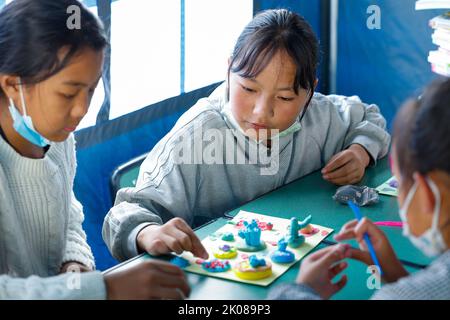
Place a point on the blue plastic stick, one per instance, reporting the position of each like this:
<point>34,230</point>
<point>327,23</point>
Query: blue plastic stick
<point>358,216</point>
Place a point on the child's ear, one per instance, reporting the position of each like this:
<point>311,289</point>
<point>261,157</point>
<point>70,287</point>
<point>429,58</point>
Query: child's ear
<point>425,195</point>
<point>316,83</point>
<point>9,85</point>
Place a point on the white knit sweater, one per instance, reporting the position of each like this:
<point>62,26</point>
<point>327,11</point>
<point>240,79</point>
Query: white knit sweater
<point>41,227</point>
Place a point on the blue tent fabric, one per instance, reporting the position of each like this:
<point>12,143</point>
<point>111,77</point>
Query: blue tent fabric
<point>309,9</point>
<point>384,66</point>
<point>102,148</point>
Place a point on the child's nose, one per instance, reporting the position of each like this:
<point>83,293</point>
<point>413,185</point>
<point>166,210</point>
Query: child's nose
<point>81,108</point>
<point>263,108</point>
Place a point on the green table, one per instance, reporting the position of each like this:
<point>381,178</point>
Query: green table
<point>309,195</point>
<point>313,195</point>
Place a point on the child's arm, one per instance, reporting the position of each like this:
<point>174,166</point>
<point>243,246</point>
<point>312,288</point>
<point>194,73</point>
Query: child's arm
<point>348,166</point>
<point>315,279</point>
<point>89,285</point>
<point>392,268</point>
<point>173,236</point>
<point>163,191</point>
<point>150,279</point>
<point>364,125</point>
<point>431,283</point>
<point>317,271</point>
<point>355,136</point>
<point>77,248</point>
<point>428,284</point>
<point>78,254</point>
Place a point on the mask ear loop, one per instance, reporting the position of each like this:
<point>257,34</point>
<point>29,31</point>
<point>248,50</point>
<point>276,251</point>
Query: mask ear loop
<point>12,104</point>
<point>437,210</point>
<point>410,196</point>
<point>306,105</point>
<point>22,99</point>
<point>437,205</point>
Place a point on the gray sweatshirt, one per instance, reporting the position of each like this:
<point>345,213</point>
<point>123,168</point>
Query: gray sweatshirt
<point>204,166</point>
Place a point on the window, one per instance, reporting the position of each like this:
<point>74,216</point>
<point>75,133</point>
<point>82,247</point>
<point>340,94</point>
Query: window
<point>99,95</point>
<point>160,49</point>
<point>145,53</point>
<point>212,28</point>
<point>146,56</point>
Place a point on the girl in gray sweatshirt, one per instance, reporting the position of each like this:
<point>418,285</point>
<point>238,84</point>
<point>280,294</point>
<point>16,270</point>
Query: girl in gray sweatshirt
<point>261,129</point>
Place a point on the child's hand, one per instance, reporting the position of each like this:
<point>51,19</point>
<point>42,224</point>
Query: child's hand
<point>73,266</point>
<point>320,268</point>
<point>147,280</point>
<point>348,166</point>
<point>389,263</point>
<point>173,236</point>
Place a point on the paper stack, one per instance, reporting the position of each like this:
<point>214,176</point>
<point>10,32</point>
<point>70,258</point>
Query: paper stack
<point>440,58</point>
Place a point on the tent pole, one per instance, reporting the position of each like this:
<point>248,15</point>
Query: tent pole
<point>104,12</point>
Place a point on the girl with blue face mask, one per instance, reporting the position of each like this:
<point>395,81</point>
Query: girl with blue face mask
<point>421,164</point>
<point>48,74</point>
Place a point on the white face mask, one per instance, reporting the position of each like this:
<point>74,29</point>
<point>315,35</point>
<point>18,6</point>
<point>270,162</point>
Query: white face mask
<point>431,242</point>
<point>226,111</point>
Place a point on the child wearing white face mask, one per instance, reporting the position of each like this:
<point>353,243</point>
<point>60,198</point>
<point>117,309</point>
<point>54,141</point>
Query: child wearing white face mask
<point>421,163</point>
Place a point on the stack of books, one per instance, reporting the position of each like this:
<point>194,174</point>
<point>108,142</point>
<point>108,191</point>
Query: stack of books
<point>440,58</point>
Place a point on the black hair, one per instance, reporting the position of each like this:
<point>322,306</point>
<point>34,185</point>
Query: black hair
<point>422,132</point>
<point>33,31</point>
<point>270,32</point>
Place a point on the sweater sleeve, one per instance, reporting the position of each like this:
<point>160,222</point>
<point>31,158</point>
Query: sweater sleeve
<point>77,248</point>
<point>293,291</point>
<point>431,283</point>
<point>165,189</point>
<point>76,286</point>
<point>353,122</point>
<point>427,284</point>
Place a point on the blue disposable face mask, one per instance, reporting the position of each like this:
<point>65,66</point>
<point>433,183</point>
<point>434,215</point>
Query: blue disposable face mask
<point>431,242</point>
<point>23,123</point>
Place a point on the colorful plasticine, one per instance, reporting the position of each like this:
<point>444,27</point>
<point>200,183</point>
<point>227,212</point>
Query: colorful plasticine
<point>253,269</point>
<point>225,251</point>
<point>282,255</point>
<point>215,265</point>
<point>294,239</point>
<point>252,236</point>
<point>180,262</point>
<point>228,236</point>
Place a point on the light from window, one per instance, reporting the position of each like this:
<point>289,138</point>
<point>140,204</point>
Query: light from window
<point>212,28</point>
<point>145,59</point>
